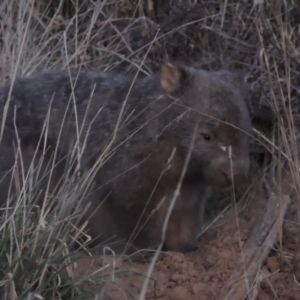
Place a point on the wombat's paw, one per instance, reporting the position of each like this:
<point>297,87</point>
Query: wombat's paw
<point>184,247</point>
<point>188,247</point>
<point>143,256</point>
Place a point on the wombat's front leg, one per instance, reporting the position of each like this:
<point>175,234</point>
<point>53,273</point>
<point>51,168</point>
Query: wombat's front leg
<point>187,218</point>
<point>179,235</point>
<point>183,227</point>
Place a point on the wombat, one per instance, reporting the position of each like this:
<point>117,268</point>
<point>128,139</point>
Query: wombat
<point>139,132</point>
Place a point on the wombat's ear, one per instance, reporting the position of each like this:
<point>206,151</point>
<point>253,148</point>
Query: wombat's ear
<point>172,77</point>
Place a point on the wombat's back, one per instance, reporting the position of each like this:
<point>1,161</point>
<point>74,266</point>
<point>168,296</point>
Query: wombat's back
<point>57,92</point>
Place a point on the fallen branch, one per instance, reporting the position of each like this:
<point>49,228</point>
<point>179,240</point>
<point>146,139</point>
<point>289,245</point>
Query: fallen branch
<point>256,249</point>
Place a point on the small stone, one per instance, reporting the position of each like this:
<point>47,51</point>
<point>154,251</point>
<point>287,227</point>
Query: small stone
<point>176,277</point>
<point>179,293</point>
<point>273,264</point>
<point>197,287</point>
<point>178,258</point>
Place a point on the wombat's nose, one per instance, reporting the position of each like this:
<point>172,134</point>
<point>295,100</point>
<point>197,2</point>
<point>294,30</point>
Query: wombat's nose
<point>239,170</point>
<point>236,177</point>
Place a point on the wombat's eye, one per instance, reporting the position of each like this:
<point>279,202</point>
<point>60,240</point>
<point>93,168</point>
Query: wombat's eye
<point>206,136</point>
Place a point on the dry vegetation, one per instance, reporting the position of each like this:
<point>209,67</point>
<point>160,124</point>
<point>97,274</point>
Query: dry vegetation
<point>259,36</point>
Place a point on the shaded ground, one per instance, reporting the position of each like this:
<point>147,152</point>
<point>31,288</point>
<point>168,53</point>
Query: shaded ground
<point>204,273</point>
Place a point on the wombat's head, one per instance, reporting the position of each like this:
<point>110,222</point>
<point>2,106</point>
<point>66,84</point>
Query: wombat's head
<point>212,102</point>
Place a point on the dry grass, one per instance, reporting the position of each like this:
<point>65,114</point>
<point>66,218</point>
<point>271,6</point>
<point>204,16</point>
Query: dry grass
<point>261,37</point>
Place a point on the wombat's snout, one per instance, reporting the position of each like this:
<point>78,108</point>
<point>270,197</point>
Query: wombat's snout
<point>237,171</point>
<point>223,172</point>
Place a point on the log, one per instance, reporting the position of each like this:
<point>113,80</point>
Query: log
<point>256,249</point>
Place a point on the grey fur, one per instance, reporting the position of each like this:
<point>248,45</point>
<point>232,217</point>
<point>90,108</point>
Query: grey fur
<point>158,123</point>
